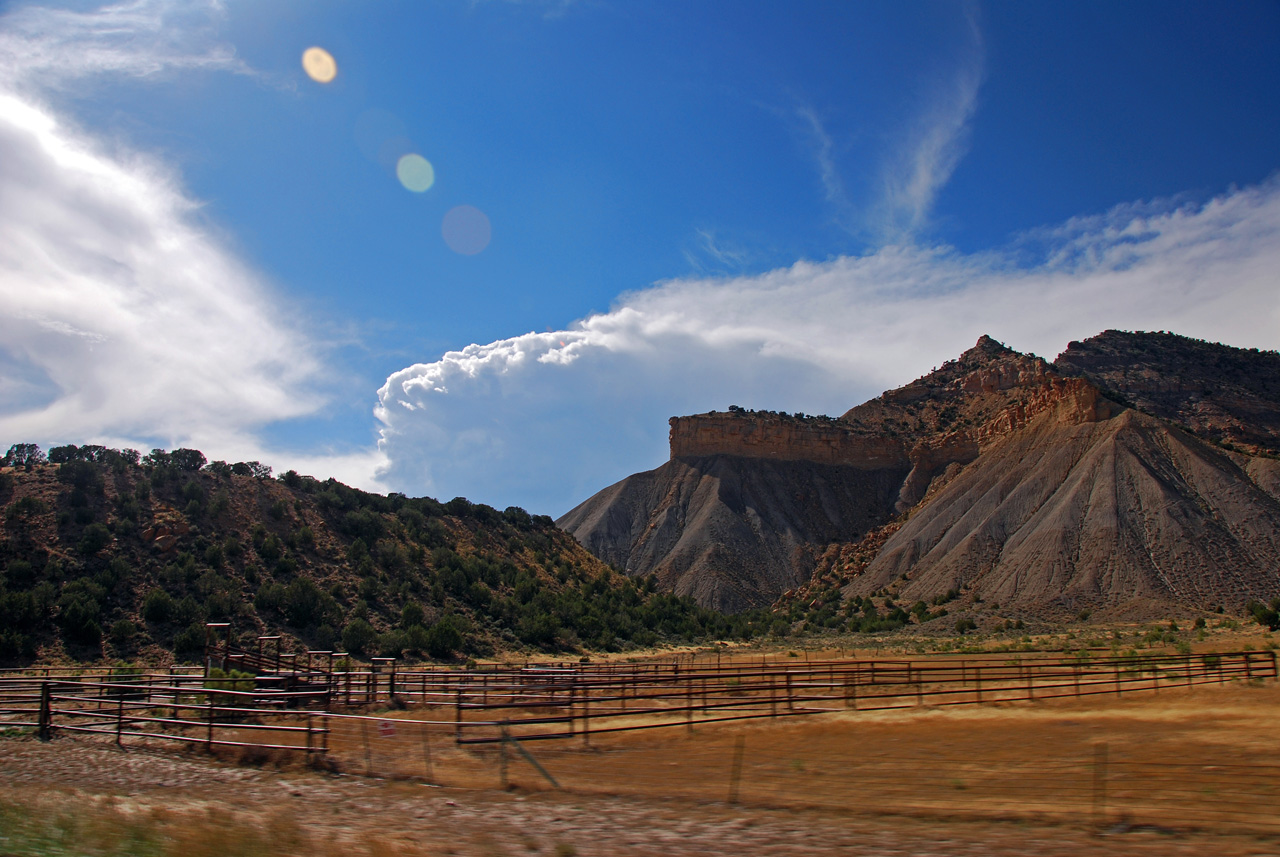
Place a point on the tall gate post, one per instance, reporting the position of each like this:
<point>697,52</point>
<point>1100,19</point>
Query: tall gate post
<point>46,712</point>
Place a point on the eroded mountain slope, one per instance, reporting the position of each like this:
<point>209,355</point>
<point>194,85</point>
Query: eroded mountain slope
<point>1103,479</point>
<point>1126,514</point>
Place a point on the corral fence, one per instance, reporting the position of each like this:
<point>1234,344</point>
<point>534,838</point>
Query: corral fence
<point>556,701</point>
<point>475,728</point>
<point>184,712</point>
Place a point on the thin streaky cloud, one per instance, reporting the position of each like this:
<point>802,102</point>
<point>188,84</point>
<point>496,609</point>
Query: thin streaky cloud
<point>824,160</point>
<point>47,49</point>
<point>930,152</point>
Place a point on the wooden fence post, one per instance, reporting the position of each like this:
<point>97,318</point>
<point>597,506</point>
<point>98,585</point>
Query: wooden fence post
<point>502,759</point>
<point>426,753</point>
<point>368,755</point>
<point>46,712</point>
<point>457,718</point>
<point>688,704</point>
<point>1099,783</point>
<point>735,772</point>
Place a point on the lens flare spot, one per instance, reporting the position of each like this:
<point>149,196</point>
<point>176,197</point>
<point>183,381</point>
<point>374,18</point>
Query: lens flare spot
<point>382,136</point>
<point>466,230</point>
<point>415,172</point>
<point>319,65</point>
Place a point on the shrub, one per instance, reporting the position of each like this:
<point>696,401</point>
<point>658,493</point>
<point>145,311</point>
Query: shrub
<point>15,644</point>
<point>189,460</point>
<point>19,573</point>
<point>24,508</point>
<point>392,644</point>
<point>26,455</point>
<point>412,614</point>
<point>357,636</point>
<point>443,638</point>
<point>122,633</point>
<point>1264,615</point>
<point>305,604</point>
<point>270,597</point>
<point>95,538</point>
<point>79,620</point>
<point>363,524</point>
<point>232,679</point>
<point>188,611</point>
<point>81,474</point>
<point>965,624</point>
<point>459,507</point>
<point>158,606</point>
<point>269,548</point>
<point>188,644</point>
<point>539,629</point>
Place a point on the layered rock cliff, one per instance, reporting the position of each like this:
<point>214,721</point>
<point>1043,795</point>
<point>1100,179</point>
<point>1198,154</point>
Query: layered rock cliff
<point>1010,478</point>
<point>781,437</point>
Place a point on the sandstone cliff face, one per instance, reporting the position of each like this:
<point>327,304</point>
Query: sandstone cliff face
<point>1016,480</point>
<point>780,437</point>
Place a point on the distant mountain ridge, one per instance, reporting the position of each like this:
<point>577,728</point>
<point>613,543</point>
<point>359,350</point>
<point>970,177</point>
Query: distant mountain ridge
<point>996,468</point>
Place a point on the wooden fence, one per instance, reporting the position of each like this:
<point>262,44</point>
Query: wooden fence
<point>473,727</point>
<point>184,713</point>
<point>559,701</point>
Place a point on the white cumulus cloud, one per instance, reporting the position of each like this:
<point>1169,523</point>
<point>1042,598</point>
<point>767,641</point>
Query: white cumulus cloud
<point>546,419</point>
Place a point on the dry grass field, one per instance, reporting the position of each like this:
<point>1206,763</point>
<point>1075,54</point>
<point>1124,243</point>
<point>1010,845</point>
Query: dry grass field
<point>1187,771</point>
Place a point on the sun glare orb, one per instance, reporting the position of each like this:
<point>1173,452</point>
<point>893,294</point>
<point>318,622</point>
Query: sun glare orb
<point>415,172</point>
<point>466,230</point>
<point>319,65</point>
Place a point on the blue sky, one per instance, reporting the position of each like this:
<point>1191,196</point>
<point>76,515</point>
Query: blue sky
<point>790,206</point>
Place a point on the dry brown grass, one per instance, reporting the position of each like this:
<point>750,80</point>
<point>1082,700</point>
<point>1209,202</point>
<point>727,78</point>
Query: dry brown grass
<point>962,780</point>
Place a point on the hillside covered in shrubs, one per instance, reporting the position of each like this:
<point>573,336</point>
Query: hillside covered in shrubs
<point>109,554</point>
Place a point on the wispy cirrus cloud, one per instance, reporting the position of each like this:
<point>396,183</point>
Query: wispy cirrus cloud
<point>932,147</point>
<point>124,317</point>
<point>546,419</point>
<point>47,48</point>
<point>824,157</point>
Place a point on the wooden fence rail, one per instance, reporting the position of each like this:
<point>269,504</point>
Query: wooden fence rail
<point>547,703</point>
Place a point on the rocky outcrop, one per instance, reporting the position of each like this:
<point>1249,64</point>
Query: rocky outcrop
<point>779,437</point>
<point>1016,480</point>
<point>1223,394</point>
